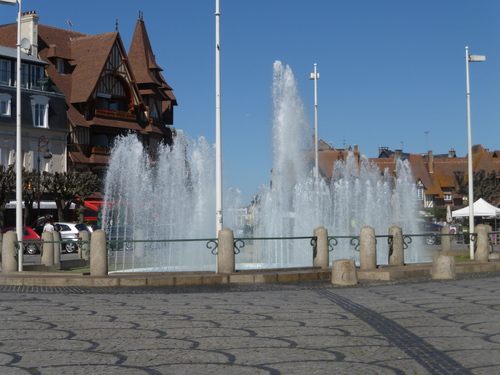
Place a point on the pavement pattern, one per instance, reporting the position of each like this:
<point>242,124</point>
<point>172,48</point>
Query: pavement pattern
<point>411,327</point>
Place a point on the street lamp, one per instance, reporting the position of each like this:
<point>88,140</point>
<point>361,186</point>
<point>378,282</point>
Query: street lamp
<point>314,76</point>
<point>218,146</point>
<point>19,177</point>
<point>470,58</point>
<point>42,142</point>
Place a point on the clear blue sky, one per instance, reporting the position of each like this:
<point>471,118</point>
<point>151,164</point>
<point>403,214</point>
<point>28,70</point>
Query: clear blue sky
<point>391,70</point>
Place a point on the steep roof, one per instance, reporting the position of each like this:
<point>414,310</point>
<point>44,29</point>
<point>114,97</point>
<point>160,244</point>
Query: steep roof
<point>146,71</point>
<point>90,54</point>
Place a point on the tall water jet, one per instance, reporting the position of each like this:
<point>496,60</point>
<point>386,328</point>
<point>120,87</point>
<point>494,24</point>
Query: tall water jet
<point>296,203</point>
<point>168,196</point>
<point>171,196</point>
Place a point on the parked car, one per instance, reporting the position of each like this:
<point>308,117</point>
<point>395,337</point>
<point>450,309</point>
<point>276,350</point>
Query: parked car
<point>28,234</point>
<point>432,230</point>
<point>69,235</point>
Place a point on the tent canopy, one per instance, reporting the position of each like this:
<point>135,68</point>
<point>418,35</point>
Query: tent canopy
<point>481,208</point>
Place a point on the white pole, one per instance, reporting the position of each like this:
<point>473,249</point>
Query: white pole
<point>472,58</point>
<point>469,158</point>
<point>218,147</point>
<point>316,156</point>
<point>19,170</point>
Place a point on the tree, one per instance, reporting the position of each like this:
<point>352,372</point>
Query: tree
<point>69,187</point>
<point>7,185</point>
<point>486,185</point>
<point>28,194</point>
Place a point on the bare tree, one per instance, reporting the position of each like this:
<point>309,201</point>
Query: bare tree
<point>7,185</point>
<point>69,187</point>
<point>486,185</point>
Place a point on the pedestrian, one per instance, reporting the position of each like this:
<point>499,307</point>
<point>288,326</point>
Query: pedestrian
<point>49,226</point>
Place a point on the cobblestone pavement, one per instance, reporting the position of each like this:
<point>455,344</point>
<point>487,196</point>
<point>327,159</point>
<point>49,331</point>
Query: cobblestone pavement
<point>425,327</point>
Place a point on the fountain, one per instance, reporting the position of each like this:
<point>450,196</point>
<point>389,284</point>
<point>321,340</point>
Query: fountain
<point>172,197</point>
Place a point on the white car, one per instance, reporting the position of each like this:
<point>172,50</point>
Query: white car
<point>69,235</point>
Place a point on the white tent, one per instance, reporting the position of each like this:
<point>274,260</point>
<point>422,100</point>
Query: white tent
<point>481,208</point>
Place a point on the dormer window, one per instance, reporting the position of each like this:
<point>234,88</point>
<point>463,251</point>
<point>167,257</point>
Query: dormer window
<point>60,66</point>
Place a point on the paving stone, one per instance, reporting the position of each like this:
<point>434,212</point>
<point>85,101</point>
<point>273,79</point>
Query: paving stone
<point>396,327</point>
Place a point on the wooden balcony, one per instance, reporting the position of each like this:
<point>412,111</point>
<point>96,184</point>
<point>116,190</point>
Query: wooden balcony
<point>115,114</point>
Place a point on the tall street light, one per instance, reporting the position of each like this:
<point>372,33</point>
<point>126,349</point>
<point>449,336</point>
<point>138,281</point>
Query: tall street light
<point>470,58</point>
<point>314,76</point>
<point>19,177</point>
<point>218,146</point>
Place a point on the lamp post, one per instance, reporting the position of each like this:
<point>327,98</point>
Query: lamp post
<point>314,76</point>
<point>470,58</point>
<point>19,177</point>
<point>42,142</point>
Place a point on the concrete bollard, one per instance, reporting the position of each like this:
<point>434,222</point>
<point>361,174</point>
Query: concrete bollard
<point>84,250</point>
<point>225,252</point>
<point>344,272</point>
<point>445,239</point>
<point>56,236</point>
<point>443,267</point>
<point>321,258</point>
<point>47,249</point>
<point>396,249</point>
<point>489,229</point>
<point>367,249</point>
<point>98,254</point>
<point>9,262</point>
<point>483,245</point>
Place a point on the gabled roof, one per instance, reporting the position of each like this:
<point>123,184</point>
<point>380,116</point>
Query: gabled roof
<point>90,54</point>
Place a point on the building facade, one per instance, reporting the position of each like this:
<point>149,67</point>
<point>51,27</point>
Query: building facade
<point>43,114</point>
<point>438,178</point>
<point>108,92</point>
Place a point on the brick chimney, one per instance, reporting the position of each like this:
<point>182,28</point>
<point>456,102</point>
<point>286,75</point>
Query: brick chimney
<point>29,30</point>
<point>431,161</point>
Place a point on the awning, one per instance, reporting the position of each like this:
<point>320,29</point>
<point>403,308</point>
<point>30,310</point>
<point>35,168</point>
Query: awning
<point>44,205</point>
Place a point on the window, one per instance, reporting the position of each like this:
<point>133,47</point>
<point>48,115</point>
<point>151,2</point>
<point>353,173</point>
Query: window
<point>420,194</point>
<point>5,104</point>
<point>154,111</point>
<point>24,75</point>
<point>60,66</point>
<point>5,72</point>
<point>36,76</point>
<point>40,109</point>
<point>447,197</point>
